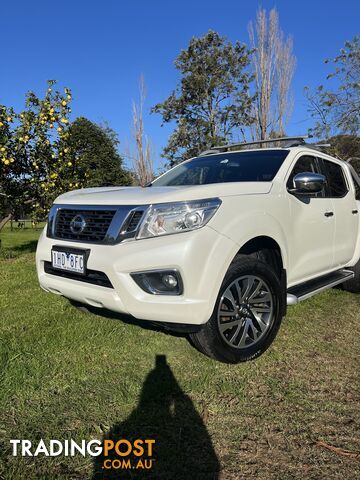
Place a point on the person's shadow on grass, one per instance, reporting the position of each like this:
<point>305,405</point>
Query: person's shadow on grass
<point>182,450</point>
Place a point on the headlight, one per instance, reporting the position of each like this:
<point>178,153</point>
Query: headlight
<point>169,218</point>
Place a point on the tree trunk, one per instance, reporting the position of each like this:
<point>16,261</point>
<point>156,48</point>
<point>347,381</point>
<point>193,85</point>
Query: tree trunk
<point>4,221</point>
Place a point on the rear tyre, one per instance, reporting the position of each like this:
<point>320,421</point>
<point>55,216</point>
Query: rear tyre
<point>247,313</point>
<point>353,285</point>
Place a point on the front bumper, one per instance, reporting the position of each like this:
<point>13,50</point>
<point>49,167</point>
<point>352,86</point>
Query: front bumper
<point>202,258</point>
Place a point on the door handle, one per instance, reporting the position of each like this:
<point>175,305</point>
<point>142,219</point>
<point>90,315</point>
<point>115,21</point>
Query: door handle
<point>329,214</point>
<point>355,212</point>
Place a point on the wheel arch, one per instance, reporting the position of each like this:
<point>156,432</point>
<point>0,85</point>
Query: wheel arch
<point>266,249</point>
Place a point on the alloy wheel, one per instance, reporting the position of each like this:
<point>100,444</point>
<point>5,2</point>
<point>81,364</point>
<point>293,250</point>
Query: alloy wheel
<point>245,312</point>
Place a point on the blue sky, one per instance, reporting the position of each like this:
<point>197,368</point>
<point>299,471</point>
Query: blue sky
<point>99,49</point>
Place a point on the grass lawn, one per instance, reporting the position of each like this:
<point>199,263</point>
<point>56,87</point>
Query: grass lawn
<point>65,374</point>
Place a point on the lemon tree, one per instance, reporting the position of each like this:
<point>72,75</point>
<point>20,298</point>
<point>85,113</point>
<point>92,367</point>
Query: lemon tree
<point>35,164</point>
<point>41,155</point>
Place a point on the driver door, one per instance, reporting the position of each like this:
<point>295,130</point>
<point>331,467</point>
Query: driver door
<point>312,220</point>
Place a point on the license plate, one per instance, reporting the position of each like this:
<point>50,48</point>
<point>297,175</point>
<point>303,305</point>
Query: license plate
<point>70,262</point>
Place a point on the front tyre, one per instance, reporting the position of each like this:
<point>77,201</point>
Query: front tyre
<point>247,313</point>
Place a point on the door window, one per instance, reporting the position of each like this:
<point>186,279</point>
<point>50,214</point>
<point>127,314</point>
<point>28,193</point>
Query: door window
<point>357,186</point>
<point>336,183</point>
<point>306,163</point>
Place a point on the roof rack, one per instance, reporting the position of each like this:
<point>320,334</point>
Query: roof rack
<point>318,146</point>
<point>289,142</point>
<point>283,142</point>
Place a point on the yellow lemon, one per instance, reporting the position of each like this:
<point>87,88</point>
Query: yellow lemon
<point>63,103</point>
<point>59,129</point>
<point>12,160</point>
<point>2,149</point>
<point>66,150</point>
<point>1,124</point>
<point>9,119</point>
<point>6,162</point>
<point>69,163</point>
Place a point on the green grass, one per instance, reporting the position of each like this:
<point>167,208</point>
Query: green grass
<point>65,374</point>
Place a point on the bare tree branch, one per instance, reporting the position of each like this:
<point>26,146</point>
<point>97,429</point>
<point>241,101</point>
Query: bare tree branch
<point>273,66</point>
<point>142,158</point>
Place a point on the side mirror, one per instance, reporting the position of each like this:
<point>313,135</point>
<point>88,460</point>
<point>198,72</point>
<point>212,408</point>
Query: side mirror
<point>308,183</point>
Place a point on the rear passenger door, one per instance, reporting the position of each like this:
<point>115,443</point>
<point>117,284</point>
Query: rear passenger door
<point>345,208</point>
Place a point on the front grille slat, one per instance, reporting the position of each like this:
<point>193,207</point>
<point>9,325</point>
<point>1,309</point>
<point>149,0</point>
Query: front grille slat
<point>96,228</point>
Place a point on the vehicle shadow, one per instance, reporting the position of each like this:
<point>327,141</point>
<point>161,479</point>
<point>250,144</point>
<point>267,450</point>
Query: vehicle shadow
<point>28,247</point>
<point>18,250</point>
<point>182,450</point>
<point>130,320</point>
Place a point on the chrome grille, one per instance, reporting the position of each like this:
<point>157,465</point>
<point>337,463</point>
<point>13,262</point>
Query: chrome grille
<point>97,223</point>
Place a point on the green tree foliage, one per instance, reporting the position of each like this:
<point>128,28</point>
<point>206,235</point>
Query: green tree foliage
<point>43,154</point>
<point>35,165</point>
<point>346,147</point>
<point>94,149</point>
<point>338,110</point>
<point>9,171</point>
<point>212,100</point>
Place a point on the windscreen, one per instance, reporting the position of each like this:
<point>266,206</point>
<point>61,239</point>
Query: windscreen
<point>250,166</point>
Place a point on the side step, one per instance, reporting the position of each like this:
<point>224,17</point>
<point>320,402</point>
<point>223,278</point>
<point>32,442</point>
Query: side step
<point>301,292</point>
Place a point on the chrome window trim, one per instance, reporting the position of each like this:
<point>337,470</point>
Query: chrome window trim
<point>116,232</point>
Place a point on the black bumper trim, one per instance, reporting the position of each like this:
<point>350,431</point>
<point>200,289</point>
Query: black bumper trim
<point>92,276</point>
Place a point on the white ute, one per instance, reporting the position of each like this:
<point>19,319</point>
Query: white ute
<point>217,247</point>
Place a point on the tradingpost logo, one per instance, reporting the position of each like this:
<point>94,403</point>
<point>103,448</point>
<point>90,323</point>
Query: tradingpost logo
<point>120,454</point>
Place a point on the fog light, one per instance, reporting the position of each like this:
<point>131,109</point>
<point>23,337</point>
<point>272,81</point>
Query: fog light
<point>159,282</point>
<point>170,281</point>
